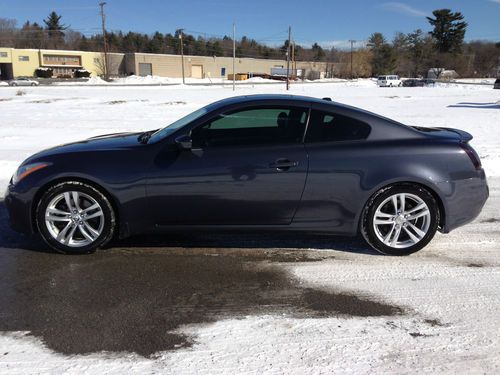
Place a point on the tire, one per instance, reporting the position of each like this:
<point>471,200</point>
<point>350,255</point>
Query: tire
<point>75,228</point>
<point>391,233</point>
<point>13,84</point>
<point>33,84</point>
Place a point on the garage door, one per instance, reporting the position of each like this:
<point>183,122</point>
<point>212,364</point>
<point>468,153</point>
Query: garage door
<point>197,71</point>
<point>145,69</point>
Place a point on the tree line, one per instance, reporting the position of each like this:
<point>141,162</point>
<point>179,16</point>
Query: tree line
<point>411,54</point>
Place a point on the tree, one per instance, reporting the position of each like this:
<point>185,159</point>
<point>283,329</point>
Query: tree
<point>449,30</point>
<point>31,35</point>
<point>377,39</point>
<point>318,52</point>
<point>420,52</point>
<point>384,60</point>
<point>55,30</point>
<point>7,32</point>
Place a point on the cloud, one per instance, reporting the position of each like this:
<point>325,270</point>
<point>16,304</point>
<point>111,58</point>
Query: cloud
<point>406,9</point>
<point>495,1</point>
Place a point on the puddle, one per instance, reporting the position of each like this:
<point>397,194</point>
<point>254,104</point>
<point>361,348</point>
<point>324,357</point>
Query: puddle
<point>134,298</point>
<point>114,301</point>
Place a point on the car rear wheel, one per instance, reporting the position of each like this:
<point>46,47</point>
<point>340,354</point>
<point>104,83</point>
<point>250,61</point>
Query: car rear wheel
<point>33,84</point>
<point>400,219</point>
<point>73,217</point>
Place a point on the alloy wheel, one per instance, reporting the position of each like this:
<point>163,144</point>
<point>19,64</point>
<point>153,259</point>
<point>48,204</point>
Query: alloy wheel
<point>74,219</point>
<point>401,220</point>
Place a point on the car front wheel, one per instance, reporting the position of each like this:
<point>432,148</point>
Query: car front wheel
<point>400,219</point>
<point>73,217</point>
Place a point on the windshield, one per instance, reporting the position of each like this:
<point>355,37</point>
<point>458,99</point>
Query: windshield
<point>169,129</point>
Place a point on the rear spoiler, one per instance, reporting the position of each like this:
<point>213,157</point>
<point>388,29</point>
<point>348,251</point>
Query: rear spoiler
<point>464,136</point>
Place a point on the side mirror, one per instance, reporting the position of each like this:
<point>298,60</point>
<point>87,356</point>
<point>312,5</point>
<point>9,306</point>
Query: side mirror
<point>184,142</point>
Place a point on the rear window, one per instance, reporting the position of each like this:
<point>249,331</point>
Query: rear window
<point>332,127</point>
<point>381,78</point>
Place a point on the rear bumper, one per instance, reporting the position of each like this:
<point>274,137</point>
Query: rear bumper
<point>464,200</point>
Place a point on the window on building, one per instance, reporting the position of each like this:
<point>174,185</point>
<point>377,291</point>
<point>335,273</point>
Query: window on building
<point>271,125</point>
<point>4,54</point>
<point>24,58</point>
<point>332,127</point>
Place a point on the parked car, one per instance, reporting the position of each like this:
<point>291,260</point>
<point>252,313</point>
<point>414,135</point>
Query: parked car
<point>429,82</point>
<point>496,85</point>
<point>389,81</point>
<point>413,82</point>
<point>260,162</point>
<point>23,81</point>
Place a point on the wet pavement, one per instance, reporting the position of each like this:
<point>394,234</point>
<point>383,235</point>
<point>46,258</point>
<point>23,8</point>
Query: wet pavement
<point>135,295</point>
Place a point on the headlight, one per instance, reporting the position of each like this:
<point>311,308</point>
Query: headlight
<point>26,170</point>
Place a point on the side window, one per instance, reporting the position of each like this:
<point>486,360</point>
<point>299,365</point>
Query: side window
<point>252,126</point>
<point>331,127</point>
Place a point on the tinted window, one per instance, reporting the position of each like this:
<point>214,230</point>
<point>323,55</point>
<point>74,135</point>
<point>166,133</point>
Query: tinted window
<point>252,127</point>
<point>329,127</point>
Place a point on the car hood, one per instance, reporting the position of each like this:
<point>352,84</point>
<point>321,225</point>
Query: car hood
<point>108,142</point>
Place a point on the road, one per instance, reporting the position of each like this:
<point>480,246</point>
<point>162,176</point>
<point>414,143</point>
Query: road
<point>436,310</point>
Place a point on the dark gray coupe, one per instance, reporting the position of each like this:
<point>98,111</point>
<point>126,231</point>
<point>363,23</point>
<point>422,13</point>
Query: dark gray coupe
<point>255,162</point>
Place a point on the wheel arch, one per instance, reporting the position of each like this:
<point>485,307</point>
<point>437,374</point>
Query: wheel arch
<point>431,189</point>
<point>44,188</point>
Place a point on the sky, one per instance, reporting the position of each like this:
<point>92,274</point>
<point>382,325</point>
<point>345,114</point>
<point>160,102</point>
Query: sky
<point>328,22</point>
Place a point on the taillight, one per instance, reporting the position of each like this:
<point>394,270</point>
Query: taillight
<point>473,156</point>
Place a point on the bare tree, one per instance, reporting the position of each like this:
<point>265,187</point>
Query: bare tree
<point>7,32</point>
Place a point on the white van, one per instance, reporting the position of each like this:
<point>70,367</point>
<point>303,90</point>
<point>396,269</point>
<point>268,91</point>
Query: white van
<point>389,81</point>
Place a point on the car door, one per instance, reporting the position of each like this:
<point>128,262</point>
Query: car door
<point>246,167</point>
<point>335,144</point>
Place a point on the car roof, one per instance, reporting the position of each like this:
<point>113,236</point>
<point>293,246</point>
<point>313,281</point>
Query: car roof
<point>277,97</point>
<point>290,99</point>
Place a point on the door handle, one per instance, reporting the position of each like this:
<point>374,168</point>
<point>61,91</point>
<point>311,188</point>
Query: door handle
<point>283,164</point>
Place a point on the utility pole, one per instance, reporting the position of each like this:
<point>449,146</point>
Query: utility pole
<point>103,19</point>
<point>234,56</point>
<point>182,56</point>
<point>288,58</point>
<point>352,42</point>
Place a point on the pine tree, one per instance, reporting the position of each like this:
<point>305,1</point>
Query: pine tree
<point>377,39</point>
<point>318,52</point>
<point>449,30</point>
<point>55,30</point>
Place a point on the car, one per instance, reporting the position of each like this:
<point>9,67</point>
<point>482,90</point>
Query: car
<point>260,163</point>
<point>23,81</point>
<point>413,82</point>
<point>389,81</point>
<point>496,85</point>
<point>429,82</point>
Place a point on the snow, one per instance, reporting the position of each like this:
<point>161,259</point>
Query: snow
<point>453,282</point>
<point>157,80</point>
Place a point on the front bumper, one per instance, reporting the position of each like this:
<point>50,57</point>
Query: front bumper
<point>18,206</point>
<point>464,200</point>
